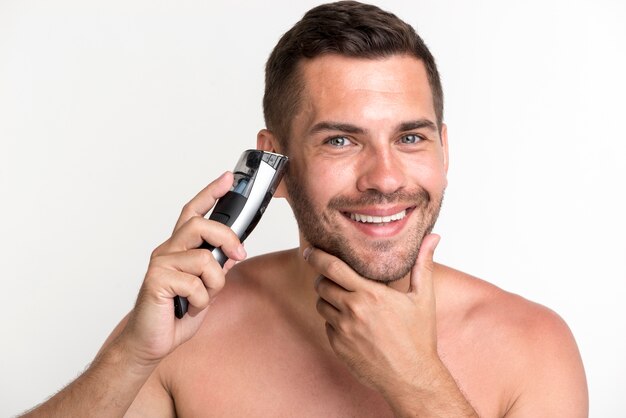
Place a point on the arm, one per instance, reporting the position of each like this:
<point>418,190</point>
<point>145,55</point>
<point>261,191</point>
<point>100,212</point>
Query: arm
<point>388,338</point>
<point>126,361</point>
<point>106,388</point>
<point>554,382</point>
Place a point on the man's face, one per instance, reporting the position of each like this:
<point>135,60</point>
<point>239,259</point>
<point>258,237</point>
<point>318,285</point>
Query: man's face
<point>367,164</point>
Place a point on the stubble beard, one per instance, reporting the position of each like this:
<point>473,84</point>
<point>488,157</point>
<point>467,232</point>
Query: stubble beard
<point>387,260</point>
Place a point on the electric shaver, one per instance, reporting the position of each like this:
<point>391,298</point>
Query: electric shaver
<point>256,176</point>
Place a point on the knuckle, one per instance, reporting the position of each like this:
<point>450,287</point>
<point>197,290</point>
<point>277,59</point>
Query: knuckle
<point>361,306</point>
<point>196,222</point>
<point>204,257</point>
<point>197,285</point>
<point>152,271</point>
<point>371,298</point>
<point>153,275</point>
<point>344,326</point>
<point>321,284</point>
<point>218,284</point>
<point>319,305</point>
<point>228,236</point>
<point>214,279</point>
<point>186,210</point>
<point>356,310</point>
<point>334,268</point>
<point>219,287</point>
<point>157,251</point>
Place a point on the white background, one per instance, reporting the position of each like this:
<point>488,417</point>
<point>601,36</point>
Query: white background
<point>113,114</point>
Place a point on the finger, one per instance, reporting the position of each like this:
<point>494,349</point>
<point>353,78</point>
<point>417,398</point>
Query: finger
<point>199,263</point>
<point>230,263</point>
<point>328,312</point>
<point>331,292</point>
<point>197,230</point>
<point>333,268</point>
<point>422,272</point>
<point>204,201</point>
<point>165,283</point>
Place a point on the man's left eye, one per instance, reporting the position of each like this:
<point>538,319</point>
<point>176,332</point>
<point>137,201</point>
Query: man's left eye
<point>411,139</point>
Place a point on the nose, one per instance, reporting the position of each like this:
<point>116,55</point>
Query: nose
<point>382,171</point>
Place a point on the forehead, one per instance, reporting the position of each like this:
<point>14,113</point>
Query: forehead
<point>347,88</point>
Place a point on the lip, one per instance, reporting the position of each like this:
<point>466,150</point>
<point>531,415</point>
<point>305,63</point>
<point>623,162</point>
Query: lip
<point>387,230</point>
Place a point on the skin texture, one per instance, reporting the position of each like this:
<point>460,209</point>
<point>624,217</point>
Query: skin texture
<point>303,333</point>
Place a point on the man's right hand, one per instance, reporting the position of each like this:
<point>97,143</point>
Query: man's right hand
<point>179,268</point>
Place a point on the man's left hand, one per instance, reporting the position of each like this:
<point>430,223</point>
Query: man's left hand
<point>387,338</point>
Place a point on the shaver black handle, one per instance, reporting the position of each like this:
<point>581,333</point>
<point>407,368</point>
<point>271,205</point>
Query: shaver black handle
<point>229,204</point>
<point>180,306</point>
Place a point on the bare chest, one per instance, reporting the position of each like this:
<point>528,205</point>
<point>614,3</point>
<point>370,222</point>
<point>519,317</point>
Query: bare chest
<point>269,367</point>
<point>263,379</point>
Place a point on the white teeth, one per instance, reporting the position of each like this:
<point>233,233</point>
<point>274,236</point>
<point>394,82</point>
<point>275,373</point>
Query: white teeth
<point>377,219</point>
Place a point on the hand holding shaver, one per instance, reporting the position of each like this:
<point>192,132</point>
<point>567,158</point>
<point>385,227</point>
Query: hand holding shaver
<point>256,176</point>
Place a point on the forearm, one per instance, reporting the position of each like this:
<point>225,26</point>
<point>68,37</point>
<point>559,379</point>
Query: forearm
<point>106,389</point>
<point>434,395</point>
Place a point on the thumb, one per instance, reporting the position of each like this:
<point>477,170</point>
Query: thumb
<point>422,272</point>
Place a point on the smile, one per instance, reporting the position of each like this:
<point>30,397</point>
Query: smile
<point>377,219</point>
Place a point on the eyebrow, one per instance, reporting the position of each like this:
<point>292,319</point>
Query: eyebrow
<point>335,126</point>
<point>353,129</point>
<point>418,124</point>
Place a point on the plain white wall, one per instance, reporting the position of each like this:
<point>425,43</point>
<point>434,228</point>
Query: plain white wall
<point>113,114</point>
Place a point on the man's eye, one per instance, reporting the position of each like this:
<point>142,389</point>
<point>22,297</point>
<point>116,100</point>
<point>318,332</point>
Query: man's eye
<point>411,139</point>
<point>339,141</point>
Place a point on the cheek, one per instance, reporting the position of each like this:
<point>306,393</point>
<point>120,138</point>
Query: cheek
<point>429,174</point>
<point>324,178</point>
<point>438,178</point>
<point>330,179</point>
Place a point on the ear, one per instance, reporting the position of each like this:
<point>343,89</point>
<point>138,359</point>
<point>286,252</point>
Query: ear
<point>267,141</point>
<point>444,145</point>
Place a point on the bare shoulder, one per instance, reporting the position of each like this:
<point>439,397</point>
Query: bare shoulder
<point>263,269</point>
<point>531,343</point>
<point>520,318</point>
<point>258,279</point>
<point>251,296</point>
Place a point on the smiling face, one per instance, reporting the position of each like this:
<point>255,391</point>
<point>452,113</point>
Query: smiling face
<point>367,162</point>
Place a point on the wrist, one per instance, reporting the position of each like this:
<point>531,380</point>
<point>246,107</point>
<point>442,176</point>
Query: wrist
<point>430,391</point>
<point>120,354</point>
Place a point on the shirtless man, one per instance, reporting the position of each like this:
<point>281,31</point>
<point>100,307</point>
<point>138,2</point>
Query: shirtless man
<point>358,321</point>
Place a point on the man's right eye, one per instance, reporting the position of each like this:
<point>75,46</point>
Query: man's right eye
<point>339,141</point>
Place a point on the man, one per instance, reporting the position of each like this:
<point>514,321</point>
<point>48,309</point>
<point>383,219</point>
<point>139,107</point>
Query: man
<point>359,320</point>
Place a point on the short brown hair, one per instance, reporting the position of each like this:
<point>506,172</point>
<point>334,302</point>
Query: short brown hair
<point>346,28</point>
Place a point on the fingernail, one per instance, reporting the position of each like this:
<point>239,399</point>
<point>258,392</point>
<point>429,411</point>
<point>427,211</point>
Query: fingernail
<point>306,252</point>
<point>241,252</point>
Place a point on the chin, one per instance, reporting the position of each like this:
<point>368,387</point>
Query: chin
<point>381,262</point>
<point>385,270</point>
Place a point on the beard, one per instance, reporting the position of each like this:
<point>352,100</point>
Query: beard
<point>382,260</point>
